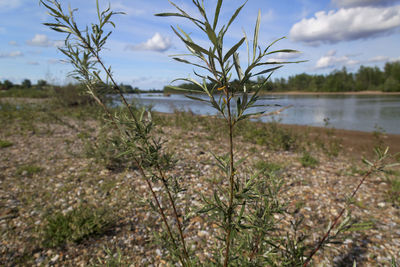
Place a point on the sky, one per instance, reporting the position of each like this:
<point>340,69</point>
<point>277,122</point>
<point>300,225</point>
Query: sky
<point>331,34</point>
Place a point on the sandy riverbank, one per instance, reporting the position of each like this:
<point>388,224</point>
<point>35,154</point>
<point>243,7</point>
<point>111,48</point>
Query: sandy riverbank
<point>331,93</point>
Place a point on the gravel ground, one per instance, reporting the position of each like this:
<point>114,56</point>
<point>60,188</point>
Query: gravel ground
<point>65,179</point>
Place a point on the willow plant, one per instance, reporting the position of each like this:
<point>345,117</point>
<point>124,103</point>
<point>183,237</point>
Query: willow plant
<point>234,102</point>
<point>243,206</point>
<point>83,49</point>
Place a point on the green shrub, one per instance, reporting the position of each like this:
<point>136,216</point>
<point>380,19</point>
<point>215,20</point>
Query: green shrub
<point>271,134</point>
<point>28,170</point>
<point>394,190</point>
<point>5,143</point>
<point>26,93</point>
<point>307,160</point>
<point>112,259</point>
<point>267,166</point>
<point>106,150</point>
<point>72,95</point>
<point>76,225</point>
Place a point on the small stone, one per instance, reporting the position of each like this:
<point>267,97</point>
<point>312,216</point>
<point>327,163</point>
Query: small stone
<point>202,233</point>
<point>55,258</point>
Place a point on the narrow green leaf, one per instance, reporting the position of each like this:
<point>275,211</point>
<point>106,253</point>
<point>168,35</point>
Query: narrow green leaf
<point>235,15</point>
<point>181,89</point>
<point>216,16</point>
<point>233,49</point>
<point>271,44</point>
<point>277,63</point>
<point>283,51</point>
<point>196,98</point>
<point>169,15</point>
<point>211,34</point>
<point>98,10</point>
<point>267,71</point>
<point>236,61</point>
<point>256,33</point>
<point>188,62</point>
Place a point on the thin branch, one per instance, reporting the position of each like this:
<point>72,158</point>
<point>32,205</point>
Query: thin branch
<point>337,218</point>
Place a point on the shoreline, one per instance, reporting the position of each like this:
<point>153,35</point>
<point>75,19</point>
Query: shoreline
<point>331,93</point>
<point>370,93</point>
<point>353,142</point>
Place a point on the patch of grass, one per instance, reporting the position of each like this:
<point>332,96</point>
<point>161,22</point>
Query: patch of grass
<point>26,93</point>
<point>271,134</point>
<point>393,193</point>
<point>188,121</point>
<point>307,160</point>
<point>112,259</point>
<point>76,225</point>
<point>331,146</point>
<point>106,150</point>
<point>267,166</point>
<point>28,170</point>
<point>5,143</point>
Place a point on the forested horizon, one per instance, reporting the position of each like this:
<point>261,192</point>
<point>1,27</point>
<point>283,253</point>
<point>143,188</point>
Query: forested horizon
<point>365,79</point>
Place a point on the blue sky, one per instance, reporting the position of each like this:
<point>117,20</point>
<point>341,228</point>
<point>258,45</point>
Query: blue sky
<point>329,33</point>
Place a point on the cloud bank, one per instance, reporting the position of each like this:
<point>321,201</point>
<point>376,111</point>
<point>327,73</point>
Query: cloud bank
<point>346,24</point>
<point>355,3</point>
<point>11,54</point>
<point>331,60</point>
<point>40,40</point>
<point>156,43</point>
<point>9,4</point>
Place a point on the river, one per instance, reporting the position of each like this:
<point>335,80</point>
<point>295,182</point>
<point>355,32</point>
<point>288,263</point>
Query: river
<point>351,112</point>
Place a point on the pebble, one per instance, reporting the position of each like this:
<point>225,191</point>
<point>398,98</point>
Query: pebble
<point>322,190</point>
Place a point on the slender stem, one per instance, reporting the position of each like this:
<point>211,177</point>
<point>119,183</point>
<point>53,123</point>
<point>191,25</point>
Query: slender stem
<point>116,88</point>
<point>336,220</point>
<point>231,181</point>
<point>171,200</point>
<point>161,210</point>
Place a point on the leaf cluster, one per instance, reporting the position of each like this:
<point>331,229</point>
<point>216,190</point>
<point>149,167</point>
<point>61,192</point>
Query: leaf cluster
<point>218,63</point>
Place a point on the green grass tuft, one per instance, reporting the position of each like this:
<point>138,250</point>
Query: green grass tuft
<point>267,166</point>
<point>28,170</point>
<point>393,193</point>
<point>307,160</point>
<point>76,225</point>
<point>5,143</point>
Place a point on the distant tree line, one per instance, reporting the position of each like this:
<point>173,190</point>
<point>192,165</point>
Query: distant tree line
<point>365,79</point>
<point>26,83</point>
<point>42,84</point>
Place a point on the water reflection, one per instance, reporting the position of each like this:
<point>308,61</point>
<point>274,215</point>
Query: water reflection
<point>361,113</point>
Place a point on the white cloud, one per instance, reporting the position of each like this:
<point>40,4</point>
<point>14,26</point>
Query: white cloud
<point>395,59</point>
<point>354,3</point>
<point>284,56</point>
<point>53,61</point>
<point>330,60</point>
<point>58,43</point>
<point>35,63</point>
<point>156,43</point>
<point>11,54</point>
<point>9,4</point>
<point>40,40</point>
<point>268,16</point>
<point>118,6</point>
<point>346,24</point>
<point>378,59</point>
<point>13,43</point>
<point>43,41</point>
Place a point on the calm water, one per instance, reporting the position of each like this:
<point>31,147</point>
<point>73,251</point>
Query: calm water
<point>363,113</point>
